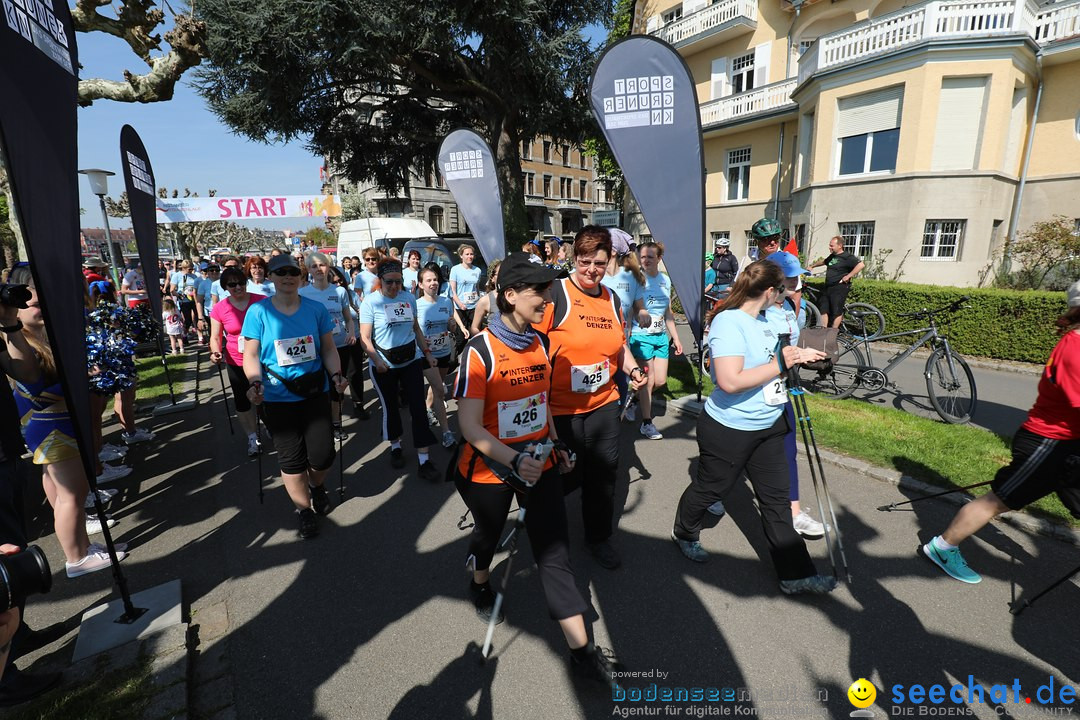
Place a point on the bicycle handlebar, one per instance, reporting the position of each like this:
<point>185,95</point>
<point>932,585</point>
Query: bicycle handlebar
<point>951,307</point>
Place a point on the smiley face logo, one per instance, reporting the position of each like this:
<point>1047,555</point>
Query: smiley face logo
<point>862,693</point>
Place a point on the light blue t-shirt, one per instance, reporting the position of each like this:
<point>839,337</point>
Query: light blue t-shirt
<point>289,345</point>
<point>391,321</point>
<point>434,319</point>
<point>364,282</point>
<point>186,286</point>
<point>710,277</point>
<point>468,284</point>
<point>204,290</point>
<point>265,288</point>
<point>336,301</point>
<point>782,320</point>
<point>622,283</point>
<point>410,277</point>
<point>734,333</point>
<point>655,294</point>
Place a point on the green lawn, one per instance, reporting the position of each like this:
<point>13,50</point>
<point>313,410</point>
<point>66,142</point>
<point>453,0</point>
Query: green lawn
<point>152,384</point>
<point>930,450</point>
<point>109,695</point>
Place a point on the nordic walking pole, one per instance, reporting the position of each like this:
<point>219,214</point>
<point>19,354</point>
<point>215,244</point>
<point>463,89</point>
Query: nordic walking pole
<point>340,466</point>
<point>225,397</point>
<point>1018,607</point>
<point>892,506</point>
<point>258,434</point>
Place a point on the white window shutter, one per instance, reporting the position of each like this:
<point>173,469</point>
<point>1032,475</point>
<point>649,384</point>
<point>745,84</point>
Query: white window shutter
<point>870,112</point>
<point>719,84</point>
<point>761,64</point>
<point>690,6</point>
<point>653,24</point>
<point>959,123</point>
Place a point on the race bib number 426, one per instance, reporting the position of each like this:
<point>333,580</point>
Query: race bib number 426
<point>519,418</point>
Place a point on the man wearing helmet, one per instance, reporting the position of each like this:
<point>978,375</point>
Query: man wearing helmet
<point>766,236</point>
<point>840,267</point>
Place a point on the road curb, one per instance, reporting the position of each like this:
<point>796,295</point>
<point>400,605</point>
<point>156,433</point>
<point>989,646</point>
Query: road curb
<point>688,405</point>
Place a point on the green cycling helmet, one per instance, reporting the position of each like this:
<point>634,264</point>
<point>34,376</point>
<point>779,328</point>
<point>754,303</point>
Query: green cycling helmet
<point>765,227</point>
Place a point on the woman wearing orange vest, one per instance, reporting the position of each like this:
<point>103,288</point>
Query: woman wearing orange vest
<point>503,392</point>
<point>584,324</point>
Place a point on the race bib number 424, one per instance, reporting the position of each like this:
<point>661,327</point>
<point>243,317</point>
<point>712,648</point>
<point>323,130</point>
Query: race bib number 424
<point>293,351</point>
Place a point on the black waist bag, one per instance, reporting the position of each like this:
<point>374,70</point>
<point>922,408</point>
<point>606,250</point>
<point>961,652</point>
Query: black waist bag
<point>399,354</point>
<point>308,385</point>
<point>823,339</point>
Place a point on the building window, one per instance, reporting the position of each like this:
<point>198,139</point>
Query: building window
<point>738,174</point>
<point>566,155</point>
<point>1076,227</point>
<point>868,131</point>
<point>581,158</point>
<point>869,152</point>
<point>673,15</point>
<point>858,238</point>
<point>941,240</point>
<point>583,189</point>
<point>742,73</point>
<point>720,235</point>
<point>435,218</point>
<point>547,186</point>
<point>530,183</point>
<point>526,149</point>
<point>547,151</point>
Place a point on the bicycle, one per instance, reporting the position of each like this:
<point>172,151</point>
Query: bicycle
<point>949,382</point>
<point>861,320</point>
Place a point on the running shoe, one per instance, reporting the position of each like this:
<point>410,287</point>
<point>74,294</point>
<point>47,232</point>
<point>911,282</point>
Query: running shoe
<point>104,496</point>
<point>429,472</point>
<point>339,434</point>
<point>631,412</point>
<point>813,585</point>
<point>320,499</point>
<point>483,598</point>
<point>93,523</point>
<point>649,430</point>
<point>140,435</point>
<point>952,562</point>
<point>109,454</point>
<point>309,527</point>
<point>253,445</point>
<point>807,526</point>
<point>605,555</point>
<point>112,472</point>
<point>118,449</point>
<point>691,549</point>
<point>599,665</point>
<point>448,439</point>
<point>718,509</point>
<point>95,560</point>
<point>397,458</point>
<point>431,419</point>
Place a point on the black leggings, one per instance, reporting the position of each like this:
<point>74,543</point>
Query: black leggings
<point>545,521</point>
<point>410,380</point>
<point>352,356</point>
<point>239,382</point>
<point>594,436</point>
<point>724,453</point>
<point>303,433</point>
<point>187,309</point>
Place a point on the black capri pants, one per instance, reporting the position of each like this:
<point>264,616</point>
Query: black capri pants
<point>239,383</point>
<point>302,432</point>
<point>409,379</point>
<point>724,454</point>
<point>594,436</point>
<point>545,521</point>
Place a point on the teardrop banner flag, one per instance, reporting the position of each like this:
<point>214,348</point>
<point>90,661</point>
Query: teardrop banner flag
<point>469,170</point>
<point>142,199</point>
<point>644,100</point>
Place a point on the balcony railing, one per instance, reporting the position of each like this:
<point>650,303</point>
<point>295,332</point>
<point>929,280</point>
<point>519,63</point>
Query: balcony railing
<point>762,99</point>
<point>534,199</point>
<point>937,20</point>
<point>569,204</point>
<point>708,21</point>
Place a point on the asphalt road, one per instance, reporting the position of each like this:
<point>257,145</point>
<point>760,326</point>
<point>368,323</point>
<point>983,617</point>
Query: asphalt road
<point>371,620</point>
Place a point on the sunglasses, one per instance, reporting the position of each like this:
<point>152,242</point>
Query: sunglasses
<point>287,272</point>
<point>388,281</point>
<point>232,285</point>
<point>371,260</point>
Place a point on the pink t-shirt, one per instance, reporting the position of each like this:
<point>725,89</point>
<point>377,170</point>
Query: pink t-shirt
<point>233,320</point>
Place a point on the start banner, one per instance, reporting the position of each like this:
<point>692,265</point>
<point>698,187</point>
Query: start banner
<point>213,209</point>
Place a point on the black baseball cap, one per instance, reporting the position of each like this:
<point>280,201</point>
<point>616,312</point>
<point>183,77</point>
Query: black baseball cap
<point>280,261</point>
<point>521,268</point>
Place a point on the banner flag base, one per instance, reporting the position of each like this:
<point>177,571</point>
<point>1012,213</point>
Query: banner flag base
<point>168,408</point>
<point>101,628</point>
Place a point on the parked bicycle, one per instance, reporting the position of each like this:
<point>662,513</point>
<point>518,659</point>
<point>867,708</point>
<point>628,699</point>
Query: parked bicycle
<point>949,381</point>
<point>861,320</point>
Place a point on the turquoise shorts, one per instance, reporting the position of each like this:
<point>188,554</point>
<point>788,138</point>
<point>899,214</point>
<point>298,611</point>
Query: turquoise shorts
<point>647,347</point>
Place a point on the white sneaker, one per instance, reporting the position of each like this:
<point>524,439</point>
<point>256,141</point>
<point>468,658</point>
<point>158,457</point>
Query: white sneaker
<point>93,524</point>
<point>113,472</point>
<point>140,435</point>
<point>807,526</point>
<point>104,495</point>
<point>649,430</point>
<point>95,560</point>
<point>108,454</point>
<point>253,446</point>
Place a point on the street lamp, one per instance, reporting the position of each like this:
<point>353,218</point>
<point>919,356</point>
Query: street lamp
<point>99,185</point>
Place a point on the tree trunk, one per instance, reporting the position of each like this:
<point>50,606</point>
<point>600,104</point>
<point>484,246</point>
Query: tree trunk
<point>12,254</point>
<point>505,137</point>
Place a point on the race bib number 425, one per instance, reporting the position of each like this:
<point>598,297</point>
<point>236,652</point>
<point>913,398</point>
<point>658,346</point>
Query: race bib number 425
<point>519,418</point>
<point>589,378</point>
<point>293,351</point>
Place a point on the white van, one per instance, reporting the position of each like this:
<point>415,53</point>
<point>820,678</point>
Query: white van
<point>356,236</point>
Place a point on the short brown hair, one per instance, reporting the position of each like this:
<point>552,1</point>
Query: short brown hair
<point>591,239</point>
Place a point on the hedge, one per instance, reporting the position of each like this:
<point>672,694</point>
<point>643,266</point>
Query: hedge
<point>1004,324</point>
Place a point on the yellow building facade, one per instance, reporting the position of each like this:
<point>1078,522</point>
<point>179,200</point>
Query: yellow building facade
<point>932,130</point>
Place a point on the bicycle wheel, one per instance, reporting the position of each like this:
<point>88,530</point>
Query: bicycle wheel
<point>840,380</point>
<point>813,315</point>
<point>951,388</point>
<point>863,320</point>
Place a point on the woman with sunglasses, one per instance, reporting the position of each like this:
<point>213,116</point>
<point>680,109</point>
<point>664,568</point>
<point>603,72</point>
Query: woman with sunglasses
<point>653,331</point>
<point>336,301</point>
<point>398,353</point>
<point>364,281</point>
<point>585,328</point>
<point>226,322</point>
<point>743,425</point>
<point>288,353</point>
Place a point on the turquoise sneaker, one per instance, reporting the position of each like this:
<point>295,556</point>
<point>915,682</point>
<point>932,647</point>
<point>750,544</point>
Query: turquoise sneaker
<point>952,562</point>
<point>691,549</point>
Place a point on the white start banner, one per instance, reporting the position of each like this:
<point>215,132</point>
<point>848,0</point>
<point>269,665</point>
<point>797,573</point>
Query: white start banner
<point>254,207</point>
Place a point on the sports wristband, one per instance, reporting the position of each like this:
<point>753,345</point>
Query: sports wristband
<point>780,361</point>
<point>516,462</point>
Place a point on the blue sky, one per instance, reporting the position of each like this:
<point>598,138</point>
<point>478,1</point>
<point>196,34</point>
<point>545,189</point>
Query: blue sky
<point>188,145</point>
